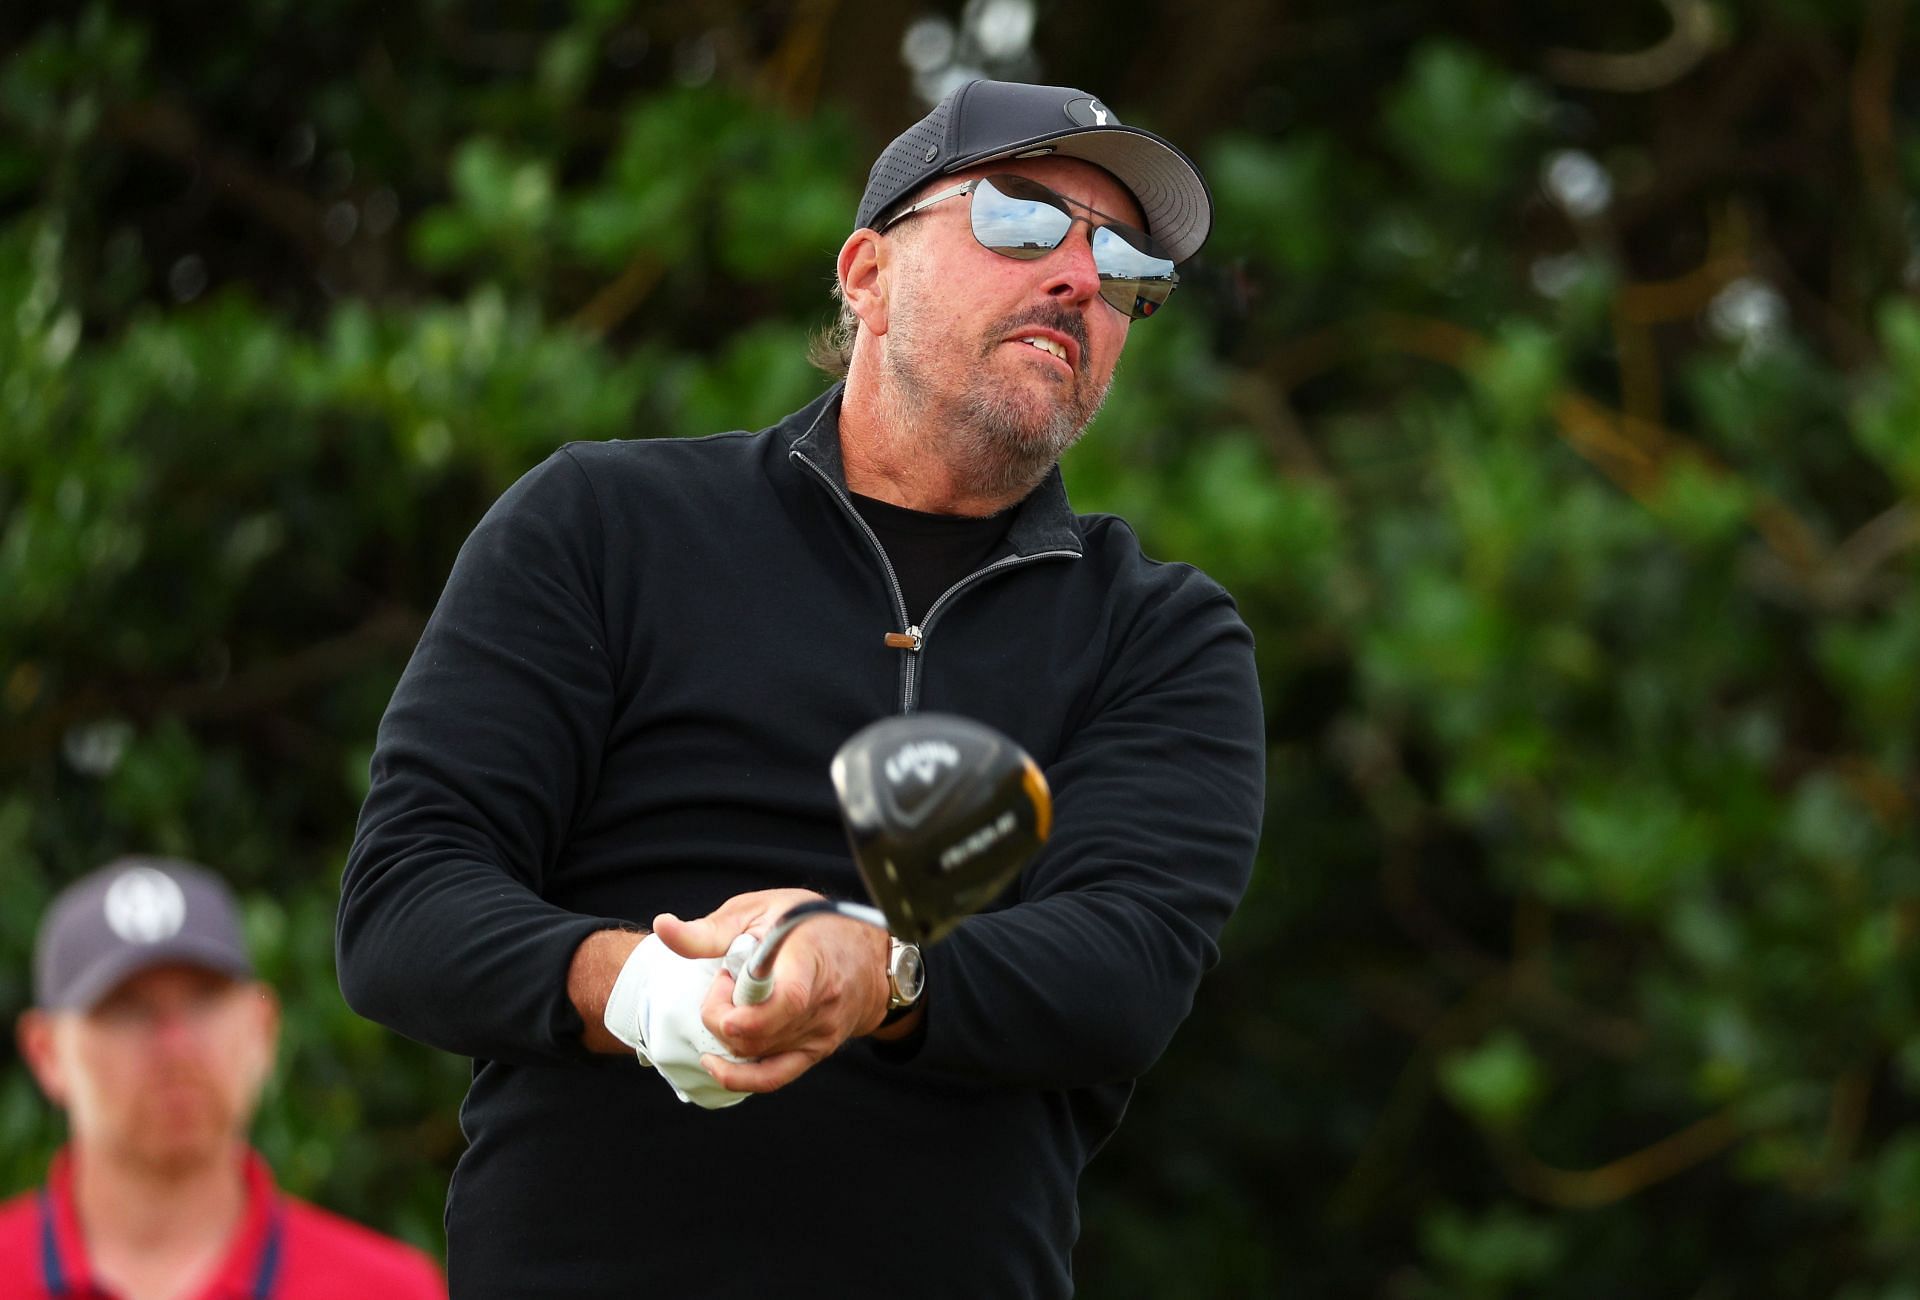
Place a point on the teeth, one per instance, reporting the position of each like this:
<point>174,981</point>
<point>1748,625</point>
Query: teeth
<point>1047,345</point>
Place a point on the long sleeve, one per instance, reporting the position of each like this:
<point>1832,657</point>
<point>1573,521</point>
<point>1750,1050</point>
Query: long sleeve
<point>1158,802</point>
<point>487,752</point>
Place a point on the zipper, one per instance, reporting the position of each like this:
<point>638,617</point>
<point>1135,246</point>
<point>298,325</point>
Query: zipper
<point>914,639</point>
<point>919,634</point>
<point>873,540</point>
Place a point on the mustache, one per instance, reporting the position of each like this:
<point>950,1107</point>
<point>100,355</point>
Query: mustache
<point>1070,323</point>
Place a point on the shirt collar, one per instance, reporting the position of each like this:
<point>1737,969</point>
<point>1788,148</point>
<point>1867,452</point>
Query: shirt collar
<point>239,1267</point>
<point>1043,522</point>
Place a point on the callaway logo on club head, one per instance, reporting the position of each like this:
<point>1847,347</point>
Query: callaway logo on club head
<point>922,760</point>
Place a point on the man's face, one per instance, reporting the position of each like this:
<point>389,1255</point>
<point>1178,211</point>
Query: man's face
<point>163,1072</point>
<point>957,314</point>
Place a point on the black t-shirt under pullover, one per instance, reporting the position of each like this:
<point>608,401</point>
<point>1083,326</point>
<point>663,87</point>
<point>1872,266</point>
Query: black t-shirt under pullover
<point>931,552</point>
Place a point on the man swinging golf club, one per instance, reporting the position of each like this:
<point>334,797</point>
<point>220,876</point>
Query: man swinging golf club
<point>623,713</point>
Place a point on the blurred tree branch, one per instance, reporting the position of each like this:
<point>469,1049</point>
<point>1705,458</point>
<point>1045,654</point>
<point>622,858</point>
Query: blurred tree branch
<point>791,74</point>
<point>168,130</point>
<point>1586,1189</point>
<point>1696,33</point>
<point>1398,1119</point>
<point>1871,103</point>
<point>259,690</point>
<point>1634,452</point>
<point>619,298</point>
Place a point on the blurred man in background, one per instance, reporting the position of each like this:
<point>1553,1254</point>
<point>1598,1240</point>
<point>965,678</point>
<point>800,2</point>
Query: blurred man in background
<point>151,1033</point>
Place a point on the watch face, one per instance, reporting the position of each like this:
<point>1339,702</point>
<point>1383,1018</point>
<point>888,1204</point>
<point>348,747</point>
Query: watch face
<point>909,975</point>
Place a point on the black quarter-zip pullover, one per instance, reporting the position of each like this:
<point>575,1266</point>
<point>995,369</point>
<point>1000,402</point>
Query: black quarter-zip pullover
<point>625,703</point>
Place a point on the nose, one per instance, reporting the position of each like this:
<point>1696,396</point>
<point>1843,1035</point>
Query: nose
<point>1072,276</point>
<point>178,1031</point>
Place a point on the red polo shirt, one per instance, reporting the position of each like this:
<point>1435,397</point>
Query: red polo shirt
<point>284,1249</point>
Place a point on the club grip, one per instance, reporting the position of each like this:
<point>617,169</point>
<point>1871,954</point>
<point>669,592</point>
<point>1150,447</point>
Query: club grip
<point>748,989</point>
<point>744,956</point>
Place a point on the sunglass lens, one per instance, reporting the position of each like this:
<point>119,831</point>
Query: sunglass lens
<point>1135,276</point>
<point>1137,298</point>
<point>1011,218</point>
<point>1127,253</point>
<point>1020,218</point>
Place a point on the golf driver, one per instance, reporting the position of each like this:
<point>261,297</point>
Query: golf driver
<point>941,812</point>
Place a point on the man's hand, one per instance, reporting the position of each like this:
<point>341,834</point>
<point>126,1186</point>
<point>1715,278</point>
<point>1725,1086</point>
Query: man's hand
<point>829,985</point>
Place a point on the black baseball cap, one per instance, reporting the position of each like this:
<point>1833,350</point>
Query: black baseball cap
<point>986,121</point>
<point>132,915</point>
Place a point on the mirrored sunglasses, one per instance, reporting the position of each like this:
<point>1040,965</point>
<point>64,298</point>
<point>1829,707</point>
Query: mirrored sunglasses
<point>1023,219</point>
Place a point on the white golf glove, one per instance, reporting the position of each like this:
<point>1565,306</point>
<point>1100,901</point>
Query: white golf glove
<point>655,1009</point>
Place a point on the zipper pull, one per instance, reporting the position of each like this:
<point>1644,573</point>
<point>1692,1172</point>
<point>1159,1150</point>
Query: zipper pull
<point>907,640</point>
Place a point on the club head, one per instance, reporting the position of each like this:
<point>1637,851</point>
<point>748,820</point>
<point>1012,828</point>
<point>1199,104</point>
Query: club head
<point>942,812</point>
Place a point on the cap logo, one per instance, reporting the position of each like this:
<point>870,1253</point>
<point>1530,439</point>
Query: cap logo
<point>1086,111</point>
<point>145,906</point>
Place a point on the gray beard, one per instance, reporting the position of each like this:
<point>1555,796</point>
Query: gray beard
<point>1000,446</point>
<point>996,443</point>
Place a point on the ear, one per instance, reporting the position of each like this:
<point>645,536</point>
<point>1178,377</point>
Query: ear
<point>863,266</point>
<point>34,1032</point>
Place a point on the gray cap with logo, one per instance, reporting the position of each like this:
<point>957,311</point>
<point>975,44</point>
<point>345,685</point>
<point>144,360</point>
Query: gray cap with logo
<point>987,121</point>
<point>132,915</point>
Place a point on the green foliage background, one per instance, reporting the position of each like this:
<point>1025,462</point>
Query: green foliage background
<point>1549,396</point>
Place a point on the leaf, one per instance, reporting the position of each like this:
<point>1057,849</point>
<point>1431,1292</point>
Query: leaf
<point>1276,200</point>
<point>1492,1253</point>
<point>1498,1083</point>
<point>1458,118</point>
